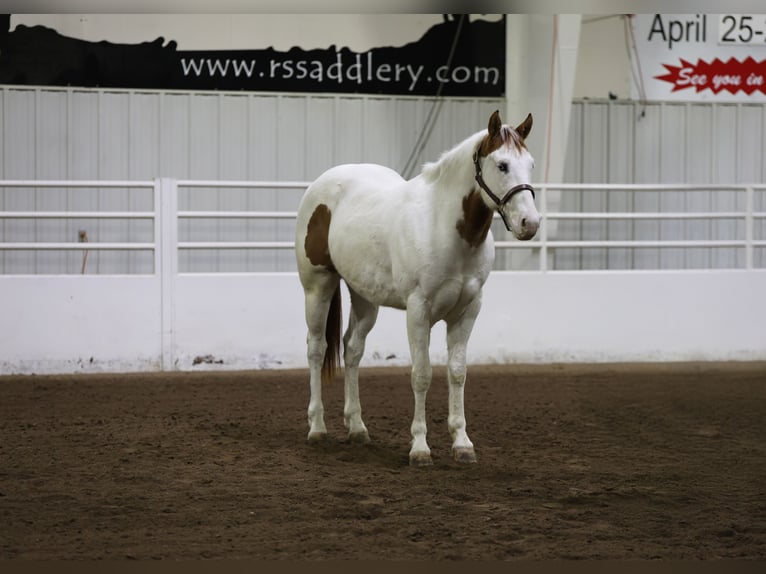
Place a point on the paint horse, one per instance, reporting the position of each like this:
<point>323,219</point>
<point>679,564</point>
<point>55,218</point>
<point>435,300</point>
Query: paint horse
<point>422,245</point>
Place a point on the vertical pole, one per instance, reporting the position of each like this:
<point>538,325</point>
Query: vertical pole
<point>157,239</point>
<point>168,264</point>
<point>749,225</point>
<point>516,77</point>
<point>544,228</point>
<point>540,64</point>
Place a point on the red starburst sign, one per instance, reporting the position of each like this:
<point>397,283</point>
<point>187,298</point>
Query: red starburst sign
<point>732,75</point>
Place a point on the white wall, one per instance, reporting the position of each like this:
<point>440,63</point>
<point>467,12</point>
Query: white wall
<point>56,324</point>
<point>526,318</point>
<point>631,316</point>
<point>79,324</point>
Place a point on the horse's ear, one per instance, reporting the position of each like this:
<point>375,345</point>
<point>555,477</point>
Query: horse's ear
<point>495,124</point>
<point>525,127</point>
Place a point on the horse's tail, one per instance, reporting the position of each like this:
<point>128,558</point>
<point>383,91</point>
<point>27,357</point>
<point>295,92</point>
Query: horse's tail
<point>333,331</point>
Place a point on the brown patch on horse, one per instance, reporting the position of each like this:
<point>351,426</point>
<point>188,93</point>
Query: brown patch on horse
<point>317,231</point>
<point>476,221</point>
<point>499,135</point>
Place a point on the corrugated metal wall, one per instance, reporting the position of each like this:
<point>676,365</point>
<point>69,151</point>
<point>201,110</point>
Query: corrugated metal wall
<point>100,134</point>
<point>103,134</point>
<point>626,142</point>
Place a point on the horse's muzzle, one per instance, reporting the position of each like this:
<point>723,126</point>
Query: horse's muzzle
<point>528,227</point>
<point>500,203</point>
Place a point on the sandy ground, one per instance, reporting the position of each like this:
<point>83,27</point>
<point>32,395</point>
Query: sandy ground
<point>600,462</point>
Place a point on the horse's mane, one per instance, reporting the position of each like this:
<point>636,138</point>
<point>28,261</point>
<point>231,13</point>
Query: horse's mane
<point>453,160</point>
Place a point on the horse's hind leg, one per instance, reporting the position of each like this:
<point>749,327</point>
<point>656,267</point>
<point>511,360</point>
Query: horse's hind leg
<point>319,292</point>
<point>362,318</point>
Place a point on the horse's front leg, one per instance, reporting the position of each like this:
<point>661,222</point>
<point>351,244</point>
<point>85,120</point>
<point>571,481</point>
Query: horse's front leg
<point>419,334</point>
<point>458,332</point>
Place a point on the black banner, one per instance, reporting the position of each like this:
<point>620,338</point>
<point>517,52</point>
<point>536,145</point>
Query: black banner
<point>41,56</point>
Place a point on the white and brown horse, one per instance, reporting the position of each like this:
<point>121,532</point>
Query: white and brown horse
<point>422,245</point>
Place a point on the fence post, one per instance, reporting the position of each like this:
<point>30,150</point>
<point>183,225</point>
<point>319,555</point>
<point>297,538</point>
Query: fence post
<point>544,228</point>
<point>749,225</point>
<point>168,264</point>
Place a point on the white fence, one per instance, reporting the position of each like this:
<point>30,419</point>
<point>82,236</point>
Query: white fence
<point>544,245</point>
<point>226,240</point>
<point>166,319</point>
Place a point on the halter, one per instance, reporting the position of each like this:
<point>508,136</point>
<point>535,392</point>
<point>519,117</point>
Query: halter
<point>506,198</point>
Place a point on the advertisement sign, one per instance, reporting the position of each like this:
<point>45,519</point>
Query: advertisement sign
<point>459,56</point>
<point>701,57</point>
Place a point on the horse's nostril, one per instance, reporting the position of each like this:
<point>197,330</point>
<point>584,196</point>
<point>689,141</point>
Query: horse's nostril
<point>524,223</point>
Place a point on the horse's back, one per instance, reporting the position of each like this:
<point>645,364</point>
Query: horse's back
<point>354,179</point>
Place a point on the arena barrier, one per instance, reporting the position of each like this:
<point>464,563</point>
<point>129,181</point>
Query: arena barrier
<point>166,319</point>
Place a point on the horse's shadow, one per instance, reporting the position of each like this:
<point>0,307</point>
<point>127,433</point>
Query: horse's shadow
<point>376,454</point>
<point>379,454</point>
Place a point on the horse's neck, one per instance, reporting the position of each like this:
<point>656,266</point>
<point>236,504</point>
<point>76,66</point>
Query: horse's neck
<point>457,201</point>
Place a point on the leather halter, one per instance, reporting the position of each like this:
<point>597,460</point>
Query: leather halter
<point>508,195</point>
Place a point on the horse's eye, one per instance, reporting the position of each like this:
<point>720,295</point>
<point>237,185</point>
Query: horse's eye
<point>502,166</point>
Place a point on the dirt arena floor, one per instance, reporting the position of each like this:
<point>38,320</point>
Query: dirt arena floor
<point>575,462</point>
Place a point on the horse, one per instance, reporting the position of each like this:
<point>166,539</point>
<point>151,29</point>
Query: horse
<point>422,245</point>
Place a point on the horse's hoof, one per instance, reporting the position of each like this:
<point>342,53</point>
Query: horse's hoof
<point>360,437</point>
<point>464,455</point>
<point>315,437</point>
<point>421,459</point>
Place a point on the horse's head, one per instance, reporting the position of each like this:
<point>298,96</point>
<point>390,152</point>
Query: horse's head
<point>503,172</point>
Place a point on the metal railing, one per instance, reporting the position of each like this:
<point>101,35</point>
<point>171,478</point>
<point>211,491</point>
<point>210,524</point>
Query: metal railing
<point>84,246</point>
<point>749,215</point>
<point>166,216</point>
<point>273,215</point>
<point>543,242</point>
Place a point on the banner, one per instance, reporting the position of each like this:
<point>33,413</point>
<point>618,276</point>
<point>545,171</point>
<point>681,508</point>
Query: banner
<point>39,55</point>
<point>701,57</point>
